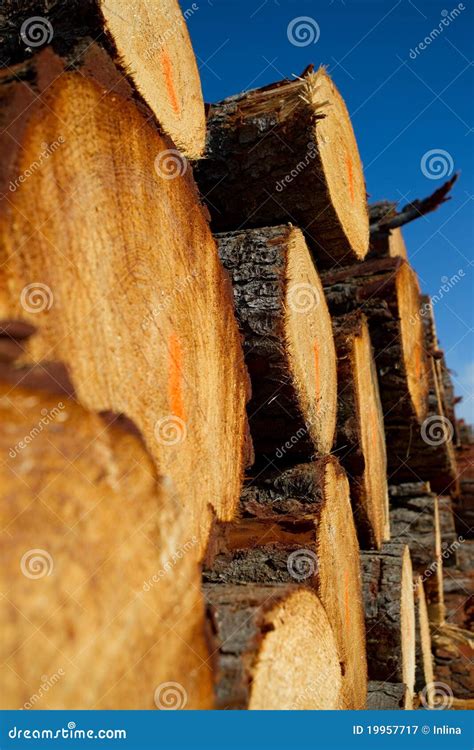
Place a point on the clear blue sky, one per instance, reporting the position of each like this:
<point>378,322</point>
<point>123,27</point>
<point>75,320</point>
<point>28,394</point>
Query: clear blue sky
<point>402,105</point>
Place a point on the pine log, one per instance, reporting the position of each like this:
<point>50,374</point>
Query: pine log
<point>414,520</point>
<point>387,292</point>
<point>424,674</point>
<point>386,696</point>
<point>459,588</point>
<point>288,341</point>
<point>101,604</point>
<point>116,271</point>
<point>297,526</point>
<point>287,152</point>
<point>388,245</point>
<point>148,41</point>
<point>275,649</point>
<point>390,616</point>
<point>360,441</point>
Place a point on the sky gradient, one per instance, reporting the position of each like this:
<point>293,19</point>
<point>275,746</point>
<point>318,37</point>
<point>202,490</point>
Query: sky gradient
<point>405,99</point>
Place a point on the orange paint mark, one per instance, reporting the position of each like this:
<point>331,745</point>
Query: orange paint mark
<point>350,174</point>
<point>169,81</point>
<point>347,609</point>
<point>175,380</point>
<point>317,368</point>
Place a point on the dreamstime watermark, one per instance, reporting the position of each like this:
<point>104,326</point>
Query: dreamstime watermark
<point>36,31</point>
<point>446,554</point>
<point>48,149</point>
<point>311,154</point>
<point>302,564</point>
<point>46,684</point>
<point>437,696</point>
<point>448,282</point>
<point>303,298</point>
<point>170,696</point>
<point>303,31</point>
<point>437,430</point>
<point>436,164</point>
<point>447,17</point>
<point>168,566</point>
<point>48,416</point>
<point>36,563</point>
<point>36,297</point>
<point>170,164</point>
<point>176,25</point>
<point>170,430</point>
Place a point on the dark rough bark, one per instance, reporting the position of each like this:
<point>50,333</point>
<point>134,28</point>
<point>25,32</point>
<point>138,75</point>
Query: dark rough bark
<point>237,620</point>
<point>386,696</point>
<point>252,150</point>
<point>257,262</point>
<point>70,20</point>
<point>453,649</point>
<point>382,588</point>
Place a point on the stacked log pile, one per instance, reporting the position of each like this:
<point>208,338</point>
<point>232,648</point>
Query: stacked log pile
<point>221,487</point>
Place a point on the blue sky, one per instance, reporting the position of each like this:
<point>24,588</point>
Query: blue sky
<point>404,101</point>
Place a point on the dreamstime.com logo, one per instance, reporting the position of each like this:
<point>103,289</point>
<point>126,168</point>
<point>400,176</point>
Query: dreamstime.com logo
<point>436,164</point>
<point>302,564</point>
<point>437,430</point>
<point>303,31</point>
<point>36,31</point>
<point>437,696</point>
<point>170,164</point>
<point>36,297</point>
<point>170,430</point>
<point>303,298</point>
<point>36,563</point>
<point>170,696</point>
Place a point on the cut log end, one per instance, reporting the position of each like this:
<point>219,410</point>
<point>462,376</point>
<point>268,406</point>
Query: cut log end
<point>412,336</point>
<point>275,647</point>
<point>315,177</point>
<point>340,159</point>
<point>361,437</point>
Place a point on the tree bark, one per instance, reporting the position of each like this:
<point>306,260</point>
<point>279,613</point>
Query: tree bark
<point>275,649</point>
<point>151,46</point>
<point>287,152</point>
<point>386,696</point>
<point>387,292</point>
<point>360,443</point>
<point>122,283</point>
<point>388,245</point>
<point>390,616</point>
<point>288,342</point>
<point>96,553</point>
<point>297,526</point>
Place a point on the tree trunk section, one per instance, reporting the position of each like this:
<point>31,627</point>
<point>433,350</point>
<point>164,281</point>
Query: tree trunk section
<point>390,616</point>
<point>287,152</point>
<point>388,245</point>
<point>149,43</point>
<point>360,441</point>
<point>297,526</point>
<point>275,649</point>
<point>123,283</point>
<point>414,520</point>
<point>387,292</point>
<point>96,554</point>
<point>424,659</point>
<point>288,341</point>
